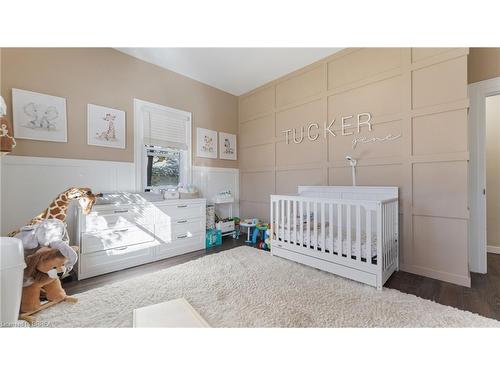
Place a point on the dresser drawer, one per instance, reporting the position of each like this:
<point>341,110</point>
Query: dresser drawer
<point>119,217</point>
<point>181,246</point>
<point>180,229</point>
<point>171,213</point>
<point>113,260</point>
<point>115,238</point>
<point>188,228</point>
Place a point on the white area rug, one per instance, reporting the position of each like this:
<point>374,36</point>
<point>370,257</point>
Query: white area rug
<point>245,287</point>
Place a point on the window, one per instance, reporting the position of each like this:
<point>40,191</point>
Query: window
<point>164,144</point>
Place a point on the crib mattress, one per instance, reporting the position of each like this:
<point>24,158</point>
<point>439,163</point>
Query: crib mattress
<point>355,248</point>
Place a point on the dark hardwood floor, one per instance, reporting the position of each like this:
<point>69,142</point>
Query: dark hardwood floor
<point>482,298</point>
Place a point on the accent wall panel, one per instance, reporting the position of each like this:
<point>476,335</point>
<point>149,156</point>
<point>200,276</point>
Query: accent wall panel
<point>256,157</point>
<point>300,87</point>
<point>256,192</point>
<point>440,133</point>
<point>300,116</point>
<point>300,153</point>
<point>440,189</point>
<point>287,181</point>
<point>255,132</point>
<point>439,245</point>
<point>353,67</point>
<point>418,96</point>
<point>418,54</point>
<point>340,146</point>
<point>440,83</point>
<point>256,104</point>
<point>379,98</point>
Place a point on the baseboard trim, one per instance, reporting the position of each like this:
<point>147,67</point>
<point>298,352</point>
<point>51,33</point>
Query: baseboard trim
<point>463,280</point>
<point>493,249</point>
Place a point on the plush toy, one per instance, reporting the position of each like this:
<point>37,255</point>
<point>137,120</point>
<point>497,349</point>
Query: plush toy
<point>44,267</point>
<point>42,234</point>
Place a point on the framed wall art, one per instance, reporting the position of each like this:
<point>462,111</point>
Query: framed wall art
<point>38,116</point>
<point>106,127</point>
<point>206,143</point>
<point>227,146</point>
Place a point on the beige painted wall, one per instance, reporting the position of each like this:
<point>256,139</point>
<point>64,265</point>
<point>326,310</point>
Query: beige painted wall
<point>110,78</point>
<point>493,170</point>
<point>483,63</point>
<point>418,93</point>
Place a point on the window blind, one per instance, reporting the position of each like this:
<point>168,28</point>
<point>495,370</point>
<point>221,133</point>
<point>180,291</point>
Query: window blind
<point>165,129</point>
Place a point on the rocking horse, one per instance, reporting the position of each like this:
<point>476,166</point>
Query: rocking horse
<point>58,256</point>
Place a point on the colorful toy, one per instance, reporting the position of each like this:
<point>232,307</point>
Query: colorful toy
<point>213,238</point>
<point>260,229</point>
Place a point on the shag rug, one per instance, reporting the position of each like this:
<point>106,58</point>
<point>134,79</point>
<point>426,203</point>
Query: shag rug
<point>245,287</point>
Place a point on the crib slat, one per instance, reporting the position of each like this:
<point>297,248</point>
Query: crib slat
<point>349,231</point>
<point>308,225</point>
<point>368,236</point>
<point>294,213</point>
<point>358,231</point>
<point>282,201</point>
<point>340,245</point>
<point>323,229</point>
<point>288,222</point>
<point>315,211</point>
<point>301,222</point>
<point>271,219</point>
<point>330,226</point>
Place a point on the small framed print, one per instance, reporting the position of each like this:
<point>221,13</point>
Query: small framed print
<point>105,127</point>
<point>206,143</point>
<point>39,117</point>
<point>227,146</point>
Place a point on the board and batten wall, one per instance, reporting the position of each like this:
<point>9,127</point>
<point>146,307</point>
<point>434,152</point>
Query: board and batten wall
<point>420,93</point>
<point>110,78</point>
<point>37,171</point>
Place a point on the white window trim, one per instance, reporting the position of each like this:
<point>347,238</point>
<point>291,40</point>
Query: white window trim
<point>139,105</point>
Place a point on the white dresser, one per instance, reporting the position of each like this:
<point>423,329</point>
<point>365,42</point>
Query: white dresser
<point>131,230</point>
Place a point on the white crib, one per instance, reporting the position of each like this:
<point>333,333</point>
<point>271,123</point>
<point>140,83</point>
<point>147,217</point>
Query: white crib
<point>348,231</point>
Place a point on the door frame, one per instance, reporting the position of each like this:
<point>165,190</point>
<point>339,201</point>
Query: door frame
<point>478,92</point>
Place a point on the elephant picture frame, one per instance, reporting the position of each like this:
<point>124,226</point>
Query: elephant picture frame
<point>39,117</point>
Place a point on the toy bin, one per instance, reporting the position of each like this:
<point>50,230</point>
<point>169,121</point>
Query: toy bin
<point>213,238</point>
<point>11,279</point>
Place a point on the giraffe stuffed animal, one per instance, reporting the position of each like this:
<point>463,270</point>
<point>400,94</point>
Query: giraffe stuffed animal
<point>58,209</point>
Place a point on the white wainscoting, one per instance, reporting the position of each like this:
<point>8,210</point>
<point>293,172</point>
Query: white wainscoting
<point>29,184</point>
<point>212,180</point>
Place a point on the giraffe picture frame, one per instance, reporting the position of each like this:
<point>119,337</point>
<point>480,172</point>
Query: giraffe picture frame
<point>106,127</point>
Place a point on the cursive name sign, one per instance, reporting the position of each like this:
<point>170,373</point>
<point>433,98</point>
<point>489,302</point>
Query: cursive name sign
<point>349,125</point>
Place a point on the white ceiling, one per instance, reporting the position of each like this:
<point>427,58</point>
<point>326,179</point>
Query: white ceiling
<point>234,70</point>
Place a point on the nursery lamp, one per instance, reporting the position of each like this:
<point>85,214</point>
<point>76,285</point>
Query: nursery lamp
<point>7,141</point>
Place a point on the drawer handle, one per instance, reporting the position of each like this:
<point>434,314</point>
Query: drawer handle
<point>121,230</point>
<point>182,236</point>
<point>182,206</point>
<point>182,221</point>
<point>120,211</point>
<point>121,248</point>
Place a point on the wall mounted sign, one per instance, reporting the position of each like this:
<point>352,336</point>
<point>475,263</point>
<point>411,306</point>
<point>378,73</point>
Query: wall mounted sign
<point>349,126</point>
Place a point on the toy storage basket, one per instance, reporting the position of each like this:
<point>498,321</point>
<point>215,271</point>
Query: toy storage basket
<point>213,238</point>
<point>210,217</point>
